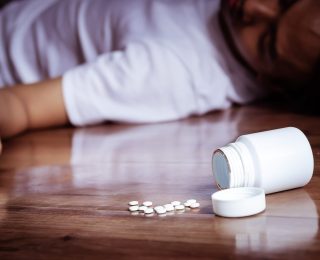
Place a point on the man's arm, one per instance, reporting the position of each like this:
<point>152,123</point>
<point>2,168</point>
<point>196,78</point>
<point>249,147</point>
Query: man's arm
<point>34,106</point>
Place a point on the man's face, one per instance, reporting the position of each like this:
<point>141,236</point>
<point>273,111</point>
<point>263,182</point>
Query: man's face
<point>278,39</point>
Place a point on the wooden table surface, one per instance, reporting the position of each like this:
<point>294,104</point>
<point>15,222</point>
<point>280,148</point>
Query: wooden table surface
<point>64,193</point>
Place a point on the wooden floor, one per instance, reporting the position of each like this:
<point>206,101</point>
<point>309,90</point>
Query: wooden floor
<point>64,193</point>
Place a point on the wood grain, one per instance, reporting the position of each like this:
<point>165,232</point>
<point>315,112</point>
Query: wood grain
<point>64,193</point>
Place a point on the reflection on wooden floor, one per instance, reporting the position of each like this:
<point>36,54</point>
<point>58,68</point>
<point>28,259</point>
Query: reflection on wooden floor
<point>64,192</point>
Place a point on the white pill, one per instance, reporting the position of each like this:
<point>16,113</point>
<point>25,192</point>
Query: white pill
<point>160,210</point>
<point>175,203</point>
<point>179,207</point>
<point>134,203</point>
<point>191,201</point>
<point>148,211</point>
<point>142,208</point>
<point>187,204</point>
<point>169,207</point>
<point>157,207</point>
<point>195,205</point>
<point>134,208</point>
<point>147,203</point>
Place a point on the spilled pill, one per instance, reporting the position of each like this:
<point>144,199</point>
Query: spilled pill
<point>195,205</point>
<point>148,211</point>
<point>160,209</point>
<point>175,207</point>
<point>175,203</point>
<point>147,203</point>
<point>169,207</point>
<point>142,208</point>
<point>187,204</point>
<point>179,207</point>
<point>191,201</point>
<point>134,208</point>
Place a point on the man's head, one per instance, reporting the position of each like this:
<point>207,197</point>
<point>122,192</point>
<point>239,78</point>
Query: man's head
<point>279,40</point>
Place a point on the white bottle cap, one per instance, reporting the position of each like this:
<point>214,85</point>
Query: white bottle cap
<point>238,202</point>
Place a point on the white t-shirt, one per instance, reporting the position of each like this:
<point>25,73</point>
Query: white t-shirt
<point>124,60</point>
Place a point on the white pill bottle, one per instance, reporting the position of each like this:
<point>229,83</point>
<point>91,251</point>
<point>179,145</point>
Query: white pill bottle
<point>274,160</point>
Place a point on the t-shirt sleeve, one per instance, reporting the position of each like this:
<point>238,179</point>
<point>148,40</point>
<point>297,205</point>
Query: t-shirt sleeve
<point>145,82</point>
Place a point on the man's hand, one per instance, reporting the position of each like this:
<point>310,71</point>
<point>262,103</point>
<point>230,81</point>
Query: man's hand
<point>33,106</point>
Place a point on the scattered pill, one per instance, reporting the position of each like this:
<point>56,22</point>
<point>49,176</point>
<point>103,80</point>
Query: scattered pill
<point>160,209</point>
<point>148,211</point>
<point>147,203</point>
<point>169,207</point>
<point>142,208</point>
<point>187,204</point>
<point>195,205</point>
<point>175,203</point>
<point>179,207</point>
<point>134,208</point>
<point>191,201</point>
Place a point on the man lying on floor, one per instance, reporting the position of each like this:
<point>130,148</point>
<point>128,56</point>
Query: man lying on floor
<point>87,62</point>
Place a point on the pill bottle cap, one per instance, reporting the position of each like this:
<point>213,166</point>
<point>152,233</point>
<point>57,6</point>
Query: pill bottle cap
<point>239,202</point>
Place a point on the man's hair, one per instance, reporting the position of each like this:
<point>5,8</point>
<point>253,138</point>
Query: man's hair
<point>303,94</point>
